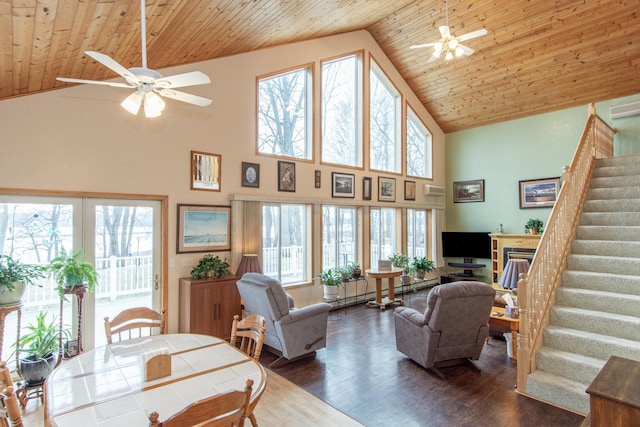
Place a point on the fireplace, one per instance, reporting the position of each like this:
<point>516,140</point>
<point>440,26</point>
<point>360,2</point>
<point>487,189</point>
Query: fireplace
<point>509,246</point>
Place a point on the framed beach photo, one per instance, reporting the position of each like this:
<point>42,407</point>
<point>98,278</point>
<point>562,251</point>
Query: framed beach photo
<point>342,185</point>
<point>203,228</point>
<point>286,176</point>
<point>468,191</point>
<point>386,189</point>
<point>250,175</point>
<point>539,193</point>
<point>206,171</point>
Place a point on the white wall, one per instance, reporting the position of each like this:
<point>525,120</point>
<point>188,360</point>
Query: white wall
<point>80,139</point>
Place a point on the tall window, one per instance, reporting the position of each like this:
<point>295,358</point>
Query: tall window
<point>417,233</point>
<point>285,242</point>
<point>384,122</point>
<point>383,233</point>
<point>340,111</point>
<point>419,154</point>
<point>284,114</point>
<point>339,235</point>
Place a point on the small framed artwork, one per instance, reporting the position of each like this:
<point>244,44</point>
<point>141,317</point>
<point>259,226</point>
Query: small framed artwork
<point>205,171</point>
<point>286,176</point>
<point>71,348</point>
<point>386,189</point>
<point>342,185</point>
<point>203,228</point>
<point>409,190</point>
<point>539,193</point>
<point>250,175</point>
<point>318,178</point>
<point>468,191</point>
<point>366,188</point>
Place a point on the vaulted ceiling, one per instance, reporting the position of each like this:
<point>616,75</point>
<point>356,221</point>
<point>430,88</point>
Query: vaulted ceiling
<point>538,56</point>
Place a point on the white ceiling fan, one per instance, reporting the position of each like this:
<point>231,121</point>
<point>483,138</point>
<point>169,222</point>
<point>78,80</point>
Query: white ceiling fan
<point>147,82</point>
<point>450,45</point>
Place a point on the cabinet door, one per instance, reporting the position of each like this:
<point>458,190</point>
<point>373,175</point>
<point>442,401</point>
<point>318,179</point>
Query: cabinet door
<point>228,305</point>
<point>203,311</point>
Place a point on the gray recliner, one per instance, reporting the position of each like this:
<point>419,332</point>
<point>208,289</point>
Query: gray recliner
<point>453,328</point>
<point>291,333</point>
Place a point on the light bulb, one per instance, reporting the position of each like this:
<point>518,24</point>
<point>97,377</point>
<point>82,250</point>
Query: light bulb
<point>459,51</point>
<point>153,105</point>
<point>448,55</point>
<point>132,103</point>
<point>453,43</point>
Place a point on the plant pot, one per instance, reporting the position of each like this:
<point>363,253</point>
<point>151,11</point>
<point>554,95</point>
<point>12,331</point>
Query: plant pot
<point>330,292</point>
<point>34,370</point>
<point>14,296</point>
<point>420,274</point>
<point>406,280</point>
<point>533,231</point>
<point>356,273</point>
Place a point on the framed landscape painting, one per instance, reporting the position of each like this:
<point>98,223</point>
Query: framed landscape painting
<point>386,189</point>
<point>468,191</point>
<point>539,193</point>
<point>342,185</point>
<point>203,228</point>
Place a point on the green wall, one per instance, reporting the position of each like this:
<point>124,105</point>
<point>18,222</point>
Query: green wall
<point>530,148</point>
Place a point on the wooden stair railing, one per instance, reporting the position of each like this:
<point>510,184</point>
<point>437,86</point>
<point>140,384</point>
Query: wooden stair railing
<point>536,289</point>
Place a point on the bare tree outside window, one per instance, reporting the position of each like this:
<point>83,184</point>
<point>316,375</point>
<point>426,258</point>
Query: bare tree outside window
<point>283,122</point>
<point>419,159</point>
<point>384,113</point>
<point>340,133</point>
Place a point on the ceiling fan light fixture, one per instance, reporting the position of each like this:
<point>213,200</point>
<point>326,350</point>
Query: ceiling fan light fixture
<point>459,51</point>
<point>153,105</point>
<point>448,55</point>
<point>453,43</point>
<point>132,103</point>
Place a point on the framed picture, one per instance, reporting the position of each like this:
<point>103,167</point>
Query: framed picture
<point>286,176</point>
<point>205,171</point>
<point>366,188</point>
<point>342,185</point>
<point>409,190</point>
<point>318,180</point>
<point>71,348</point>
<point>250,175</point>
<point>386,189</point>
<point>468,191</point>
<point>539,193</point>
<point>203,228</point>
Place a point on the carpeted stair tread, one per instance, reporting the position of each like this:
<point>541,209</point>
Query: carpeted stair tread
<point>605,264</point>
<point>616,181</point>
<point>618,283</point>
<point>628,161</point>
<point>605,232</point>
<point>614,205</point>
<point>625,326</point>
<point>610,219</point>
<point>612,193</point>
<point>606,302</point>
<point>606,248</point>
<point>560,390</point>
<point>590,343</point>
<point>576,367</point>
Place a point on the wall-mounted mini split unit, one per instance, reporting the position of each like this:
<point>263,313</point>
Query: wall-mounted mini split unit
<point>433,190</point>
<point>625,110</point>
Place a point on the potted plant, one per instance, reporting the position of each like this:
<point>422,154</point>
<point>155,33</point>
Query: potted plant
<point>421,265</point>
<point>69,271</point>
<point>14,276</point>
<point>331,279</point>
<point>210,267</point>
<point>40,345</point>
<point>533,226</point>
<point>401,261</point>
<point>354,270</point>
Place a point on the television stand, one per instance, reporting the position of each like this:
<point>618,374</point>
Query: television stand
<point>468,270</point>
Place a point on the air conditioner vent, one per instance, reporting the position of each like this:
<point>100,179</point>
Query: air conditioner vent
<point>625,110</point>
<point>433,190</point>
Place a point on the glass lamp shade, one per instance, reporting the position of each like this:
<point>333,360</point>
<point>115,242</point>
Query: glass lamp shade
<point>132,103</point>
<point>249,264</point>
<point>153,105</point>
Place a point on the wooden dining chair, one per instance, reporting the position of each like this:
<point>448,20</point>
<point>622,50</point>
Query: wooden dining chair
<point>250,330</point>
<point>5,381</point>
<point>221,410</point>
<point>11,407</point>
<point>133,323</point>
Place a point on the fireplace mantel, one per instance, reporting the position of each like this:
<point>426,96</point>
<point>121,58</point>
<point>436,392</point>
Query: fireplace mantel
<point>525,243</point>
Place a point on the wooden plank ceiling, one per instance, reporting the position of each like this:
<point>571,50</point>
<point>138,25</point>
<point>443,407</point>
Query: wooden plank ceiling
<point>538,56</point>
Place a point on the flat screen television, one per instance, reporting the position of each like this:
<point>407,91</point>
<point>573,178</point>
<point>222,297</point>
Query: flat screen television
<point>466,244</point>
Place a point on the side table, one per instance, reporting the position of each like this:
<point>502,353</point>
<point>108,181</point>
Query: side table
<point>355,280</point>
<point>4,311</point>
<point>79,292</point>
<point>378,275</point>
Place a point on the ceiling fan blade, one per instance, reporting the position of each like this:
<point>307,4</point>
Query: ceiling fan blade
<point>114,66</point>
<point>94,82</point>
<point>182,80</point>
<point>444,31</point>
<point>185,97</point>
<point>466,50</point>
<point>472,35</point>
<point>418,46</point>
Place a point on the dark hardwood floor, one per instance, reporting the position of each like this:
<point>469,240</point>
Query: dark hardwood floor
<point>361,373</point>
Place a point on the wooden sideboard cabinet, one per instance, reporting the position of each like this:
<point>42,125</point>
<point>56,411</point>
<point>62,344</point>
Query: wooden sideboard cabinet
<point>207,306</point>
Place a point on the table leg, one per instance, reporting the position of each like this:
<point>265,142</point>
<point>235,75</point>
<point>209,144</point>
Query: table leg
<point>379,290</point>
<point>392,295</point>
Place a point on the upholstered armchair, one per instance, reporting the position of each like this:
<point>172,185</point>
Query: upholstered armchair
<point>291,333</point>
<point>453,328</point>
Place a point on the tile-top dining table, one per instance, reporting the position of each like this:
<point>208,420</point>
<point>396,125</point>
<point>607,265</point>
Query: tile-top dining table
<point>105,386</point>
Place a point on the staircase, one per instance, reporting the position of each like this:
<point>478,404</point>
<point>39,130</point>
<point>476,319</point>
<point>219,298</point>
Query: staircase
<point>597,310</point>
